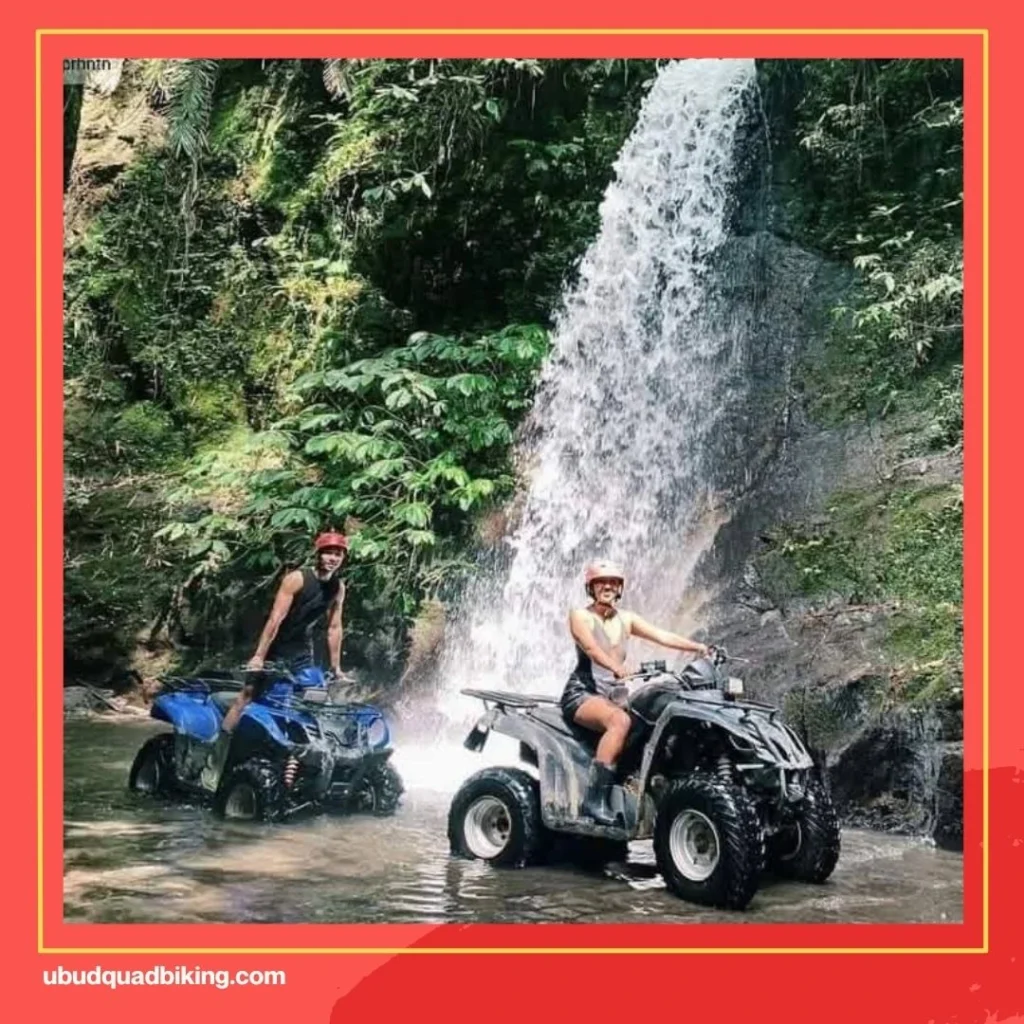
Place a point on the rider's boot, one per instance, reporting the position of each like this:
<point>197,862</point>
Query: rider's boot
<point>209,778</point>
<point>595,802</point>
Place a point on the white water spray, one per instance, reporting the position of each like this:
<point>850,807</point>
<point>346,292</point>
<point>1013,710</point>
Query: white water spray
<point>628,404</point>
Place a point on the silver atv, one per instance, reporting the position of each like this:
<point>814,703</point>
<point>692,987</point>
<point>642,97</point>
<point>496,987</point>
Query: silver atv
<point>720,783</point>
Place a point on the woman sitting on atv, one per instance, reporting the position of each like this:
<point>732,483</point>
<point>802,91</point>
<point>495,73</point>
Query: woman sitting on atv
<point>600,632</point>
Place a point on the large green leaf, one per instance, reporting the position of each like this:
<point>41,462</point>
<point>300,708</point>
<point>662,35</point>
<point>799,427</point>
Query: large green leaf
<point>415,513</point>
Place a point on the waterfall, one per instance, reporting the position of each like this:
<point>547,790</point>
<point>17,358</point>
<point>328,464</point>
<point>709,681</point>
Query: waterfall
<point>636,404</point>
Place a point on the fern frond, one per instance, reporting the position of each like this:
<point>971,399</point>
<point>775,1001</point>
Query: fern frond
<point>338,77</point>
<point>191,84</point>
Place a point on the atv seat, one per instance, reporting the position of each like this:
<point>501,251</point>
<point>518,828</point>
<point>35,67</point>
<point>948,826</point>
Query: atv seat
<point>552,716</point>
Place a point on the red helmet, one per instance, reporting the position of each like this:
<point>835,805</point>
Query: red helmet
<point>603,570</point>
<point>331,540</point>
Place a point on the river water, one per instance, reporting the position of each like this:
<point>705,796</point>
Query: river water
<point>128,859</point>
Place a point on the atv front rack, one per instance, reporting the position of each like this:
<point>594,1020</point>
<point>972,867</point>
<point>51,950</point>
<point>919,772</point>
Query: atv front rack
<point>507,698</point>
<point>199,684</point>
<point>295,701</point>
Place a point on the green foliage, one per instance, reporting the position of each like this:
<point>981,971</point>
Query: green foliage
<point>190,86</point>
<point>113,585</point>
<point>324,302</point>
<point>900,545</point>
<point>469,188</point>
<point>873,153</point>
<point>148,434</point>
<point>860,135</point>
<point>405,447</point>
<point>943,397</point>
<point>899,548</point>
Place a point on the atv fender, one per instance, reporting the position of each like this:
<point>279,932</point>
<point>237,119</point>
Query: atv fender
<point>563,766</point>
<point>261,716</point>
<point>196,718</point>
<point>772,741</point>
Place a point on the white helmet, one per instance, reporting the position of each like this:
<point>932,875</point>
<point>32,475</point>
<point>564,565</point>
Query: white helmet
<point>603,570</point>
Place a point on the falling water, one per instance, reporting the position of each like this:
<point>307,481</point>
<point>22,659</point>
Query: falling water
<point>633,402</point>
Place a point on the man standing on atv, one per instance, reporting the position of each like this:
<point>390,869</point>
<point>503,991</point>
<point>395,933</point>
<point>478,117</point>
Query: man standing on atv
<point>287,639</point>
<point>600,632</point>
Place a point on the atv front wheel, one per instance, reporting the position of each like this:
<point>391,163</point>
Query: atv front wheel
<point>379,791</point>
<point>707,842</point>
<point>152,770</point>
<point>252,791</point>
<point>808,850</point>
<point>495,817</point>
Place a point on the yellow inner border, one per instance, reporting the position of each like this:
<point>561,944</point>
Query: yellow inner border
<point>513,32</point>
<point>370,950</point>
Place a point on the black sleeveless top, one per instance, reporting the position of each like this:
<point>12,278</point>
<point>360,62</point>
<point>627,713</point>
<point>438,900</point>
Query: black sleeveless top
<point>295,633</point>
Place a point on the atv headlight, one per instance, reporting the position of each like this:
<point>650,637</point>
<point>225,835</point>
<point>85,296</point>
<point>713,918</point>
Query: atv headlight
<point>734,685</point>
<point>378,734</point>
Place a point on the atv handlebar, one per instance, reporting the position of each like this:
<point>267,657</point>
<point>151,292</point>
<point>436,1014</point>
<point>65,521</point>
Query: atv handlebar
<point>282,671</point>
<point>238,676</point>
<point>719,656</point>
<point>716,655</point>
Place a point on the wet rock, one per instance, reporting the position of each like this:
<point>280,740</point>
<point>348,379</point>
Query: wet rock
<point>88,700</point>
<point>79,698</point>
<point>875,780</point>
<point>948,830</point>
<point>898,776</point>
<point>951,719</point>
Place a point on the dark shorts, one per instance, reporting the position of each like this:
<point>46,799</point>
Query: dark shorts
<point>294,657</point>
<point>257,683</point>
<point>577,690</point>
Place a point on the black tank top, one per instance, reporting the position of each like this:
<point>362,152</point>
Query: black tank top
<point>295,633</point>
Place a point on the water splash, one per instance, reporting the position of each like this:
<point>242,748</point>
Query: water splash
<point>439,767</point>
<point>623,432</point>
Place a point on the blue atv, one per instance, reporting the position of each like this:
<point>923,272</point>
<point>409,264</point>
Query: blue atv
<point>293,749</point>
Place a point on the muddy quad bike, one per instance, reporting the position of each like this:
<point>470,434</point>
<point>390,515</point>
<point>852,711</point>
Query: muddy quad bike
<point>292,749</point>
<point>721,784</point>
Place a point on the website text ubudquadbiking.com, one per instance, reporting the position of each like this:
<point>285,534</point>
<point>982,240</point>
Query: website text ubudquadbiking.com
<point>109,978</point>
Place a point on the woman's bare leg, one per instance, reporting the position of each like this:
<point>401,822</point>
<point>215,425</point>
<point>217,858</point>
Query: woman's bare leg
<point>603,716</point>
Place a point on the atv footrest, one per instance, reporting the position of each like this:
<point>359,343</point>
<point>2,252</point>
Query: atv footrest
<point>586,827</point>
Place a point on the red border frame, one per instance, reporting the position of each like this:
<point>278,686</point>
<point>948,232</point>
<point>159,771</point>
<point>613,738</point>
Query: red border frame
<point>944,990</point>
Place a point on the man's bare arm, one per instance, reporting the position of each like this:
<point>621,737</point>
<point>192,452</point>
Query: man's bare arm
<point>290,586</point>
<point>335,630</point>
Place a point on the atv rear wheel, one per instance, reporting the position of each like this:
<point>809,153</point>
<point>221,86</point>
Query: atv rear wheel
<point>708,842</point>
<point>495,816</point>
<point>808,850</point>
<point>379,791</point>
<point>152,770</point>
<point>251,791</point>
